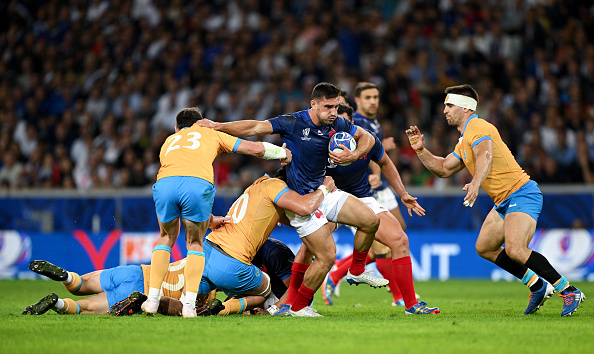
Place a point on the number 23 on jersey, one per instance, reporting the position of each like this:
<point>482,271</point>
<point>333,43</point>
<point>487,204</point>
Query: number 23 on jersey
<point>192,137</point>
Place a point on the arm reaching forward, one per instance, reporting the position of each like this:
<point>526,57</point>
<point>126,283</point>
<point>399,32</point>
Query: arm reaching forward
<point>439,166</point>
<point>239,128</point>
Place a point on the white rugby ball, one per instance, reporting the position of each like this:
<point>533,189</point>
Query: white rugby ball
<point>343,138</point>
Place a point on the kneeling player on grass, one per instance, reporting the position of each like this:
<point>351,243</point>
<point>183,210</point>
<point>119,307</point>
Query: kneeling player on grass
<point>231,247</point>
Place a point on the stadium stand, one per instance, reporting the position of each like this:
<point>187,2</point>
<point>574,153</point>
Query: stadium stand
<point>89,89</point>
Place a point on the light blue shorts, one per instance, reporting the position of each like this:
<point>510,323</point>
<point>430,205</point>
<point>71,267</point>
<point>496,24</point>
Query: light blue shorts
<point>527,199</point>
<point>190,197</point>
<point>121,281</point>
<point>228,274</point>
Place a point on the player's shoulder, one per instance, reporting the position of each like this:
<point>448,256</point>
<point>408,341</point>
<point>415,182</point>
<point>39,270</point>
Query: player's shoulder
<point>480,123</point>
<point>270,182</point>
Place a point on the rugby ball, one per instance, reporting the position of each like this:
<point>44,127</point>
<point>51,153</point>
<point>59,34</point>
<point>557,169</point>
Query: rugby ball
<point>343,138</point>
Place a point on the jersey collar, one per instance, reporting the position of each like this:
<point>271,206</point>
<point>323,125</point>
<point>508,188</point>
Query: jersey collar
<point>466,124</point>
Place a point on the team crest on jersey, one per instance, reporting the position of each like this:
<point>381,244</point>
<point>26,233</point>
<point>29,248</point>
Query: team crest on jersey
<point>305,134</point>
<point>320,132</point>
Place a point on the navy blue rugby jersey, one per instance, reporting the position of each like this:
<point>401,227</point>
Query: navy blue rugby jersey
<point>371,125</point>
<point>354,177</point>
<point>309,145</point>
<point>276,259</point>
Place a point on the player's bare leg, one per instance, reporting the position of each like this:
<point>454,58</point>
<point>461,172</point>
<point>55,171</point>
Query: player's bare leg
<point>194,268</point>
<point>160,263</point>
<point>94,305</point>
<point>321,244</point>
<point>489,246</point>
<point>355,213</point>
<point>519,229</point>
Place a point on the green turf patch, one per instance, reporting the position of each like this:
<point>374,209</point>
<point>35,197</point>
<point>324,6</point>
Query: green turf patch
<point>477,316</point>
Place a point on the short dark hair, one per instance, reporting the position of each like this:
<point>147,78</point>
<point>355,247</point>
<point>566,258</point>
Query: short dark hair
<point>187,117</point>
<point>464,90</point>
<point>344,94</point>
<point>362,86</point>
<point>325,90</point>
<point>343,108</point>
<point>281,173</point>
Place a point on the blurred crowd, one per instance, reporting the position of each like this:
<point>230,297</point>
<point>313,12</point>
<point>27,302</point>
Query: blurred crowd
<point>89,90</point>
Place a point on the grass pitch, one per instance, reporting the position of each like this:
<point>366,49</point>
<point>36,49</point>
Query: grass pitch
<point>477,316</point>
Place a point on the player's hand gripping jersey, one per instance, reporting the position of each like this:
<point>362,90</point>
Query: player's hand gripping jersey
<point>192,151</point>
<point>506,175</point>
<point>253,217</point>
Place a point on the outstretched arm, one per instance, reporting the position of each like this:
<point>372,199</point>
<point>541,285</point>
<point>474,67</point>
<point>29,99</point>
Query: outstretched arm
<point>239,128</point>
<point>393,177</point>
<point>304,205</point>
<point>439,166</point>
<point>265,150</point>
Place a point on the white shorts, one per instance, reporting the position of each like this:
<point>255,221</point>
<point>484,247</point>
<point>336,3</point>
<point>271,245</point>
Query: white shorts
<point>374,205</point>
<point>328,211</point>
<point>387,198</point>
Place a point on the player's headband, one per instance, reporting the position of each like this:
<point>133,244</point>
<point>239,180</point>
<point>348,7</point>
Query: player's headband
<point>461,101</point>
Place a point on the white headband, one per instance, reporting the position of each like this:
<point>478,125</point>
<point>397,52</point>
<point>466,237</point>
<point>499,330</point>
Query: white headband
<point>461,101</point>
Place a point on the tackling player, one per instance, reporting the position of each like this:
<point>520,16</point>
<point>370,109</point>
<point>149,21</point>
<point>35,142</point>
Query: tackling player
<point>307,134</point>
<point>184,190</point>
<point>353,179</point>
<point>518,199</point>
<point>107,287</point>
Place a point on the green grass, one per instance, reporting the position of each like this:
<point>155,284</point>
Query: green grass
<point>477,316</point>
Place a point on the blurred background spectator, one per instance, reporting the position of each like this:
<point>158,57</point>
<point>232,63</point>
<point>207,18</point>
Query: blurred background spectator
<point>89,90</point>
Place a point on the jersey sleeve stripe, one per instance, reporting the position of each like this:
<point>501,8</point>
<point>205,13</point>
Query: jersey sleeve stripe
<point>382,154</point>
<point>459,158</point>
<point>481,139</point>
<point>353,131</point>
<point>285,190</point>
<point>236,144</point>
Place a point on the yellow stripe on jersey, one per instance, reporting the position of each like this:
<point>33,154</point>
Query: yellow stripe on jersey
<point>253,217</point>
<point>506,175</point>
<point>173,283</point>
<point>192,151</point>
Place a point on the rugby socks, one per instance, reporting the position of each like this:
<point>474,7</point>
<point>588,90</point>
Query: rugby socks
<point>532,281</point>
<point>343,268</point>
<point>358,263</point>
<point>297,274</point>
<point>193,275</point>
<point>384,266</point>
<point>73,282</point>
<point>67,307</point>
<point>345,260</point>
<point>402,270</point>
<point>159,266</point>
<point>304,296</point>
<point>541,266</point>
<point>233,306</point>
